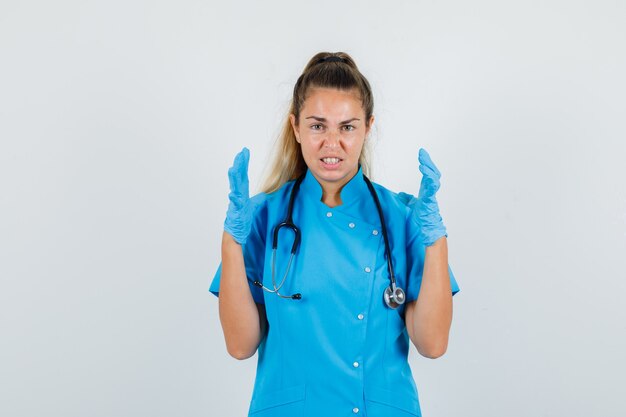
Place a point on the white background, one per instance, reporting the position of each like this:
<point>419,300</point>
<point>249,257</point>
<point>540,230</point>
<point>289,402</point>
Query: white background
<point>119,120</point>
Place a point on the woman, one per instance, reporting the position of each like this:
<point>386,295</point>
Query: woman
<point>331,326</point>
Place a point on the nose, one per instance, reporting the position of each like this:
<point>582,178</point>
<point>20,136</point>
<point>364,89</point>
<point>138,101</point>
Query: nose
<point>332,140</point>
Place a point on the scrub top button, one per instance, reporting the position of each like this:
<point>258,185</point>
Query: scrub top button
<point>360,316</point>
<point>375,232</point>
<point>351,225</point>
<point>355,410</point>
<point>329,214</point>
<point>355,364</point>
<point>367,269</point>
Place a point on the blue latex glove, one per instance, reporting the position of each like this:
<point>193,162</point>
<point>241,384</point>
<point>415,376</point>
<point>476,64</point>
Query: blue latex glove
<point>240,209</point>
<point>424,208</point>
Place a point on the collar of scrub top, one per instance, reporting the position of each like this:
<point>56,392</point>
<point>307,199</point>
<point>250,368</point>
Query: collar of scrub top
<point>352,191</point>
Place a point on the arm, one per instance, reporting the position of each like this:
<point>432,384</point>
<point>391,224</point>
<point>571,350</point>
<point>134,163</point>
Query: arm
<point>428,319</point>
<point>243,321</point>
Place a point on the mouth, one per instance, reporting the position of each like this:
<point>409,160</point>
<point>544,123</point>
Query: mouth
<point>331,161</point>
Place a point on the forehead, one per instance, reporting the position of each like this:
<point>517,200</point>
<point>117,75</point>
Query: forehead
<point>332,100</point>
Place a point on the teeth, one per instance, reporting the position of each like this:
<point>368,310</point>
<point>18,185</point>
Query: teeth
<point>330,160</point>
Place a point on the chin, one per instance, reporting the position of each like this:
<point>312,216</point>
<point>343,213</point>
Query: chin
<point>334,175</point>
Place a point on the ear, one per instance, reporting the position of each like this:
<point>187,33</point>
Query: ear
<point>371,123</point>
<point>292,119</point>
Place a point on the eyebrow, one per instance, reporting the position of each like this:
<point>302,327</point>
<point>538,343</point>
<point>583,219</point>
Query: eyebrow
<point>321,119</point>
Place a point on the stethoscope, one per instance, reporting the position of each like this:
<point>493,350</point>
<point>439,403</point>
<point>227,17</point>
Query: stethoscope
<point>393,295</point>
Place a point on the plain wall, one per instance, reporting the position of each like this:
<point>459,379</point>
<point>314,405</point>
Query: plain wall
<point>119,120</point>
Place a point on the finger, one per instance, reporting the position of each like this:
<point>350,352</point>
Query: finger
<point>428,172</point>
<point>243,173</point>
<point>236,201</point>
<point>241,159</point>
<point>424,158</point>
<point>233,173</point>
<point>245,158</point>
<point>430,183</point>
<point>232,178</point>
<point>238,173</point>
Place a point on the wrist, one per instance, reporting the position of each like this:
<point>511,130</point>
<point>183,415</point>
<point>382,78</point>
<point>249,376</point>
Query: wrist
<point>229,240</point>
<point>431,234</point>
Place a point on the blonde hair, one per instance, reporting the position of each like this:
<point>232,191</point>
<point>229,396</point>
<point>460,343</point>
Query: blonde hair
<point>341,73</point>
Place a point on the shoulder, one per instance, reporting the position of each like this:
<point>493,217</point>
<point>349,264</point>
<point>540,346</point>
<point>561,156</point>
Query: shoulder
<point>398,208</point>
<point>394,201</point>
<point>262,202</point>
<point>265,206</point>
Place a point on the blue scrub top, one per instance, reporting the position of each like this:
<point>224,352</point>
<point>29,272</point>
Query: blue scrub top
<point>339,351</point>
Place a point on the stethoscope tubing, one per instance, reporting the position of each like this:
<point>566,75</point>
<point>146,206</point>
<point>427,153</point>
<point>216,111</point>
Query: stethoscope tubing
<point>393,295</point>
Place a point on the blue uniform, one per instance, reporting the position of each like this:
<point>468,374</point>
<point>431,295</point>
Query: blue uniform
<point>339,351</point>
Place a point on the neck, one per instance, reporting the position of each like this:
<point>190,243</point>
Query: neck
<point>331,200</point>
<point>331,192</point>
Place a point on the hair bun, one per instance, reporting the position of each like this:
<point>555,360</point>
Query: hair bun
<point>332,58</point>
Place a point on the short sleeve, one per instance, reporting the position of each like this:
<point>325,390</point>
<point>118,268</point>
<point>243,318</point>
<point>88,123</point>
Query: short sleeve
<point>253,252</point>
<point>415,257</point>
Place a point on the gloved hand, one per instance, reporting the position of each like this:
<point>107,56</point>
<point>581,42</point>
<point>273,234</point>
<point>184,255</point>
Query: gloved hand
<point>240,209</point>
<point>424,208</point>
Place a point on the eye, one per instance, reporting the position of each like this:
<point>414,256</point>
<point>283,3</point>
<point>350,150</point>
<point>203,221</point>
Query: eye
<point>349,128</point>
<point>316,126</point>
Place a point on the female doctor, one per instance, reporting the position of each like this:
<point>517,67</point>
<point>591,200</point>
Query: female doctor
<point>331,299</point>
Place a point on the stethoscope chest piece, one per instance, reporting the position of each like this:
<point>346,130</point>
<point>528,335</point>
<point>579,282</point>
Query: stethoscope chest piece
<point>394,297</point>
